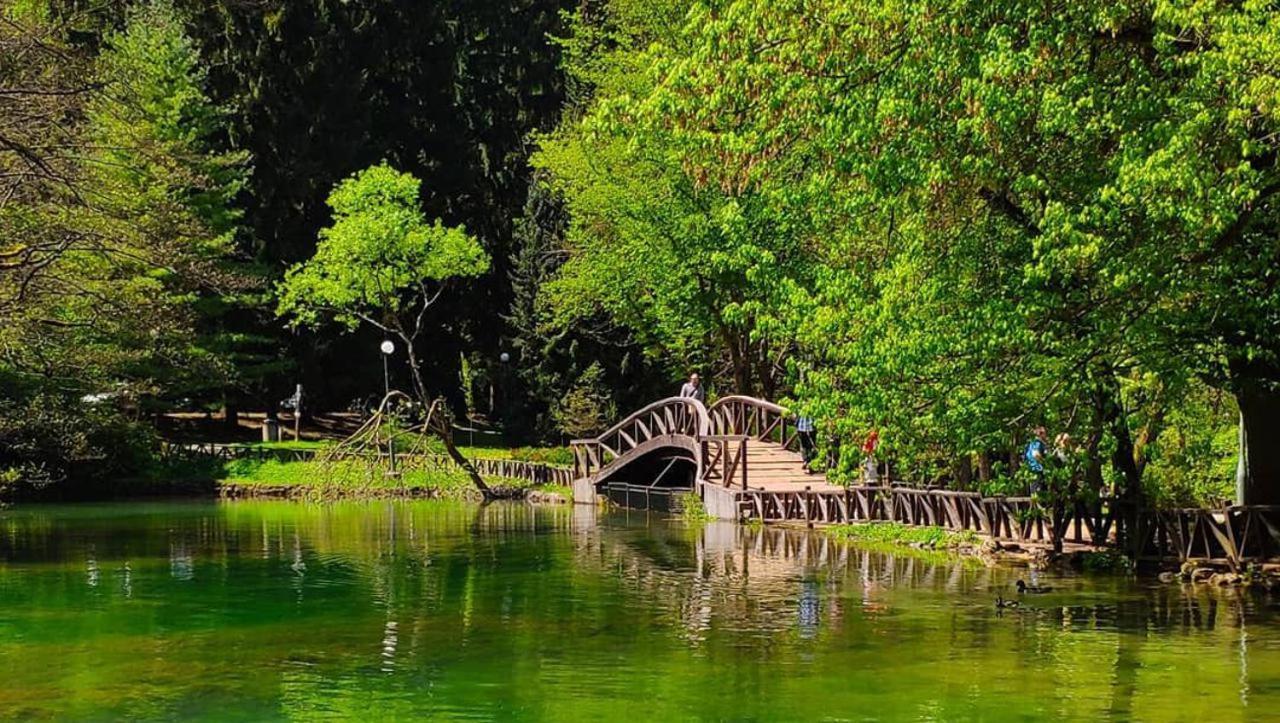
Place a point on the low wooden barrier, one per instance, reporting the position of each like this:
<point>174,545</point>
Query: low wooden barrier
<point>1234,535</point>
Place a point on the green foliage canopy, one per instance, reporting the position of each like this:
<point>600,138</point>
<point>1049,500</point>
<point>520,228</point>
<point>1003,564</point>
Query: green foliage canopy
<point>116,229</point>
<point>381,262</point>
<point>696,271</point>
<point>970,216</point>
<point>379,246</point>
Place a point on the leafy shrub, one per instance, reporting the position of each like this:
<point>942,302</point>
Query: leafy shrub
<point>50,440</point>
<point>544,455</point>
<point>588,408</point>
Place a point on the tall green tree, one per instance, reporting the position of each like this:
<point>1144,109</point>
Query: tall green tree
<point>381,263</point>
<point>548,356</point>
<point>109,248</point>
<point>446,91</point>
<point>1004,213</point>
<point>695,270</point>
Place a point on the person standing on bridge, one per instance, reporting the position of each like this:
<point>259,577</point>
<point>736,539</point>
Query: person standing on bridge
<point>693,389</point>
<point>808,443</point>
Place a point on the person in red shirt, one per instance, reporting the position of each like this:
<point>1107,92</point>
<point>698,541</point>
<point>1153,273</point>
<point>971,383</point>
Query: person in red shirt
<point>870,470</point>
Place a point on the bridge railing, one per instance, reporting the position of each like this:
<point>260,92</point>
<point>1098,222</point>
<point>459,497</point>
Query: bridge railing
<point>671,417</point>
<point>724,460</point>
<point>756,418</point>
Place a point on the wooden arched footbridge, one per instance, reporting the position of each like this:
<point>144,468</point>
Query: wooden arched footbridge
<point>737,445</point>
<point>742,457</point>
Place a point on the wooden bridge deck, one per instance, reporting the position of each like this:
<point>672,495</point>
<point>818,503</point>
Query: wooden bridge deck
<point>774,468</point>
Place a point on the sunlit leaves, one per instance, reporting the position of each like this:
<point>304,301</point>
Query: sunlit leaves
<point>377,258</point>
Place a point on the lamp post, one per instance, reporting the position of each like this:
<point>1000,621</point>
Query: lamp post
<point>504,357</point>
<point>387,348</point>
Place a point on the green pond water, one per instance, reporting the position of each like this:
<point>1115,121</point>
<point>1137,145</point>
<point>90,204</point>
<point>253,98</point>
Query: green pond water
<point>438,610</point>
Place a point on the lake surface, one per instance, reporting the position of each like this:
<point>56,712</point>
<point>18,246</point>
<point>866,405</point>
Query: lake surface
<point>440,610</point>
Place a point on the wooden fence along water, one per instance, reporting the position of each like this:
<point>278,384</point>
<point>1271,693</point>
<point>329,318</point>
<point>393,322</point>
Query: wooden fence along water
<point>1233,535</point>
<point>535,472</point>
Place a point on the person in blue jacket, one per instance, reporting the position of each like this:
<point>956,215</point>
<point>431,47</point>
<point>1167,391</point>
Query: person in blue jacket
<point>1037,452</point>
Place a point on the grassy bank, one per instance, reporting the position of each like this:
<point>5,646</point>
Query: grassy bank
<point>321,480</point>
<point>890,535</point>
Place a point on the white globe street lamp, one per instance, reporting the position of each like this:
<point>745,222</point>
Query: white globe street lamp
<point>387,348</point>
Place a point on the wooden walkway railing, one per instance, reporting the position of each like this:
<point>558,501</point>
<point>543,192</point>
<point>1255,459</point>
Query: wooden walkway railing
<point>756,418</point>
<point>724,460</point>
<point>716,439</point>
<point>1232,535</point>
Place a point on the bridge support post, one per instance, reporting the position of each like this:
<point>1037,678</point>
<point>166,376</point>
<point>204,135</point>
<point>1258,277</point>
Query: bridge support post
<point>584,491</point>
<point>721,503</point>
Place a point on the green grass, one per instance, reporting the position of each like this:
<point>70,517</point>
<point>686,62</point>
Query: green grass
<point>346,478</point>
<point>349,476</point>
<point>691,508</point>
<point>896,534</point>
<point>544,455</point>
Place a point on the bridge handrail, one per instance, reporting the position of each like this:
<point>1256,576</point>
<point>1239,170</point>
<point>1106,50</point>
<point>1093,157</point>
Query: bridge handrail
<point>719,434</point>
<point>758,418</point>
<point>587,452</point>
<point>753,401</point>
<point>704,421</point>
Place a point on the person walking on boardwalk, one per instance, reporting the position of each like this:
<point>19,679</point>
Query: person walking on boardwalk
<point>1037,451</point>
<point>693,389</point>
<point>808,444</point>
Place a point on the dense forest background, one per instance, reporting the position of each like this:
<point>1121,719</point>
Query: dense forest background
<point>948,222</point>
<point>287,99</point>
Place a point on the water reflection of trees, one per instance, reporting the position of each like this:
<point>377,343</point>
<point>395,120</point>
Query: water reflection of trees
<point>788,585</point>
<point>435,593</point>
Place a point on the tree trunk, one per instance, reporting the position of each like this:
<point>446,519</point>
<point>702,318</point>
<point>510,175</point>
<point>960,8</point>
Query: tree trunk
<point>1259,483</point>
<point>962,472</point>
<point>444,430</point>
<point>764,370</point>
<point>1122,457</point>
<point>741,366</point>
<point>415,374</point>
<point>984,466</point>
<point>442,424</point>
<point>1093,461</point>
<point>230,414</point>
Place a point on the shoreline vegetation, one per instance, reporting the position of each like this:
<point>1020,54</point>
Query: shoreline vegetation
<point>267,470</point>
<point>561,456</point>
<point>346,479</point>
<point>931,541</point>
